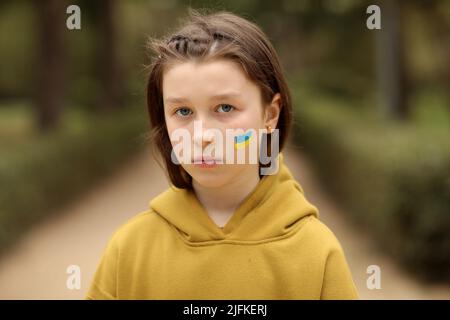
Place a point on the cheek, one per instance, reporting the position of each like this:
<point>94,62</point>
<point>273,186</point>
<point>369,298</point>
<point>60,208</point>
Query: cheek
<point>248,119</point>
<point>170,130</point>
<point>173,126</point>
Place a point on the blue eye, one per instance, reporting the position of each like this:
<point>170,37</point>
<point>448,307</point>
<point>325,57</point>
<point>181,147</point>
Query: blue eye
<point>226,108</point>
<point>184,112</point>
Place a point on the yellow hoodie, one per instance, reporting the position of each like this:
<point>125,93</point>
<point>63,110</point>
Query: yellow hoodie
<point>273,247</point>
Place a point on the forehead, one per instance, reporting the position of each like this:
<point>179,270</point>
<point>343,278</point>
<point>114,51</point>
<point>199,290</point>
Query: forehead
<point>208,78</point>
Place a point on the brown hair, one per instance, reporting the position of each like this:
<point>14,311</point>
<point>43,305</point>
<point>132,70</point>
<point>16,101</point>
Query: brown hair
<point>214,36</point>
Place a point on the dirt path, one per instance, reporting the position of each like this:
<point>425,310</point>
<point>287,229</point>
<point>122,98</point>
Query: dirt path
<point>36,267</point>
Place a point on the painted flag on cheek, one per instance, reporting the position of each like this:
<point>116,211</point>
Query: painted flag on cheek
<point>240,141</point>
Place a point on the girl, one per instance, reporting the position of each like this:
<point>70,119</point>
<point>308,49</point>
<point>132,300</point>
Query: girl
<point>224,229</point>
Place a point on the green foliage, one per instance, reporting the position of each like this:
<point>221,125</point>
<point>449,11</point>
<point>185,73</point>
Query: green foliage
<point>393,179</point>
<point>17,54</point>
<point>43,173</point>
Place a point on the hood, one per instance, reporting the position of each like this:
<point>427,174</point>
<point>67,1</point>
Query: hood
<point>272,209</point>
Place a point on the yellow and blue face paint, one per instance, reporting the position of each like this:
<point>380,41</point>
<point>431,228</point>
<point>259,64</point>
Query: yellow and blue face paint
<point>243,140</point>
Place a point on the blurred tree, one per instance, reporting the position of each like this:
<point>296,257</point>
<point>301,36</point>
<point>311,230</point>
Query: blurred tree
<point>437,13</point>
<point>391,60</point>
<point>108,57</point>
<point>51,71</point>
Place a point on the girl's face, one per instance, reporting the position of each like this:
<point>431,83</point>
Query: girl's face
<point>218,95</point>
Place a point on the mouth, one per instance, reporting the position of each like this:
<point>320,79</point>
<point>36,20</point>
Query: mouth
<point>206,162</point>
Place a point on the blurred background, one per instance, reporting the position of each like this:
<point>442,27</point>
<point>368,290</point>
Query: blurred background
<point>370,143</point>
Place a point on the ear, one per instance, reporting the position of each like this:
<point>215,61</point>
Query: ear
<point>272,111</point>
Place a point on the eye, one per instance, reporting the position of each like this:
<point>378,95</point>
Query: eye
<point>226,108</point>
<point>183,112</point>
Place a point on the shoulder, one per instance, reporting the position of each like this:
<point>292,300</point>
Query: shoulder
<point>142,225</point>
<point>337,280</point>
<point>320,235</point>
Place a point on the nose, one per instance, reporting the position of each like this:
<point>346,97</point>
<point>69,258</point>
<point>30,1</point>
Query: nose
<point>203,137</point>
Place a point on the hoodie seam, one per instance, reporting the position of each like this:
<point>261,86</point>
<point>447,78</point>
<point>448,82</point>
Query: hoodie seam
<point>243,242</point>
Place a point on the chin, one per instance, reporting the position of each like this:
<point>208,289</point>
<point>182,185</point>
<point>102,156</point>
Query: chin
<point>209,178</point>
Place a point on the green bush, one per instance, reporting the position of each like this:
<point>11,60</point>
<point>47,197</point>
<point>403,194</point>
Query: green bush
<point>393,179</point>
<point>38,176</point>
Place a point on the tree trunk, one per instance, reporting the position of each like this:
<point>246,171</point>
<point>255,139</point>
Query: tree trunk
<point>108,57</point>
<point>51,74</point>
<point>391,63</point>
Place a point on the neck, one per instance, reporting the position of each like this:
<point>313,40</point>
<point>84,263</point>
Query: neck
<point>226,198</point>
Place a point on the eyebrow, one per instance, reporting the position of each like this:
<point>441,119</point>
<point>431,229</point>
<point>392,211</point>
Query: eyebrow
<point>214,97</point>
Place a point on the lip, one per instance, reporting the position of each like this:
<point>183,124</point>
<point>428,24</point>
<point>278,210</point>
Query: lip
<point>206,162</point>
